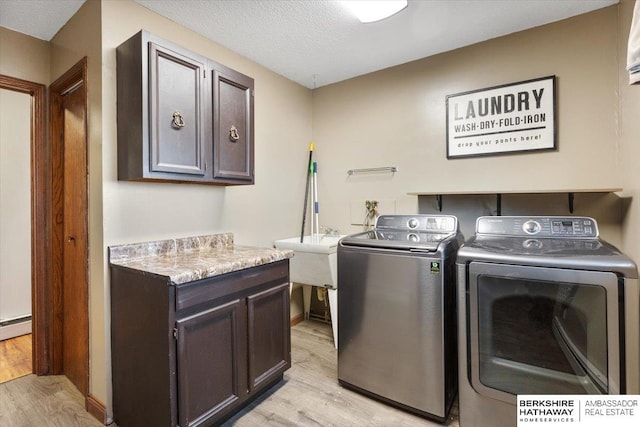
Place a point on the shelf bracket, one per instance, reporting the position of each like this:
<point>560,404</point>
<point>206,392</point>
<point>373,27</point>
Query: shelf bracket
<point>439,201</point>
<point>499,204</point>
<point>571,199</point>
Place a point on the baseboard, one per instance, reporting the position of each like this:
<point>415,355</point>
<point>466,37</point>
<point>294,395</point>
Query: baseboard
<point>297,319</point>
<point>96,408</point>
<point>15,329</point>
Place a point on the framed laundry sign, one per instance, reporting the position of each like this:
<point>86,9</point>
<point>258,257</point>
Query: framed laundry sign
<point>510,118</point>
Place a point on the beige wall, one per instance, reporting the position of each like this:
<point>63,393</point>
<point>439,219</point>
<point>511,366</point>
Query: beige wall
<point>257,214</point>
<point>629,141</point>
<point>392,117</point>
<point>24,57</point>
<point>629,152</point>
<point>143,211</point>
<point>121,212</point>
<point>397,117</point>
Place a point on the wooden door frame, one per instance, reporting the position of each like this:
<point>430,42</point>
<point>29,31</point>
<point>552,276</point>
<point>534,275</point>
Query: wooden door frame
<point>77,74</point>
<point>39,215</point>
<point>46,232</point>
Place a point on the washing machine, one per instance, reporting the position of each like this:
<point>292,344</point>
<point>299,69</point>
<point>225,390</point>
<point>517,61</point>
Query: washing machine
<point>544,307</point>
<point>396,315</point>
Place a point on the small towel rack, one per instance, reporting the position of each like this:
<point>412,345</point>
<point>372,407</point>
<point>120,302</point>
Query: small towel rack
<point>391,169</point>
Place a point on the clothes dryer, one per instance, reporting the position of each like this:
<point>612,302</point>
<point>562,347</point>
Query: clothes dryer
<point>545,307</point>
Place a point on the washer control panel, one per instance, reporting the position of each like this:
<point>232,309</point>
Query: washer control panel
<point>551,226</point>
<point>419,223</point>
<point>531,227</point>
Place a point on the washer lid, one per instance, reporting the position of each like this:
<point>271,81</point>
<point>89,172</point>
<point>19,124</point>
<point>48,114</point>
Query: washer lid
<point>419,233</point>
<point>398,240</point>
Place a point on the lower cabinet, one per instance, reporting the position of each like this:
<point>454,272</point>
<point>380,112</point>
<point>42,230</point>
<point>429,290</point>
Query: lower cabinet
<point>213,338</point>
<point>226,340</point>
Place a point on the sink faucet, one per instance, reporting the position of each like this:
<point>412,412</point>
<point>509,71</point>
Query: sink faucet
<point>328,231</point>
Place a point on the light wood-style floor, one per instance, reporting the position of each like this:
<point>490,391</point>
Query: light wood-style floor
<point>33,401</point>
<point>308,396</point>
<point>311,396</point>
<point>15,358</point>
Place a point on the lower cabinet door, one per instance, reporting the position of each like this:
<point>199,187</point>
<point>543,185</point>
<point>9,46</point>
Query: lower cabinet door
<point>211,356</point>
<point>269,339</point>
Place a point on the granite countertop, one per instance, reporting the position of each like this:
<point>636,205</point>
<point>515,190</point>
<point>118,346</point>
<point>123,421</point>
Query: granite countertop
<point>193,258</point>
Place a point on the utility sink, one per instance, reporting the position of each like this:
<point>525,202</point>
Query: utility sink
<point>315,263</point>
<point>315,260</point>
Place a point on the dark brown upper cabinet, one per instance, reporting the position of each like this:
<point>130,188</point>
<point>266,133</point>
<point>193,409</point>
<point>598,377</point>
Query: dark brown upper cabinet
<point>181,116</point>
<point>232,124</point>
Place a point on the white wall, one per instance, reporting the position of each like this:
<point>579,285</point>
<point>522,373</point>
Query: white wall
<point>15,207</point>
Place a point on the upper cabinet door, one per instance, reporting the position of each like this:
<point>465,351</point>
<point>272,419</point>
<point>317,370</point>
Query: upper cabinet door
<point>181,116</point>
<point>233,153</point>
<point>176,93</point>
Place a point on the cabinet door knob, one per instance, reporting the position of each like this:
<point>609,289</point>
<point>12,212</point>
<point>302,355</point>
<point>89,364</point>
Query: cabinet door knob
<point>233,134</point>
<point>71,239</point>
<point>177,120</point>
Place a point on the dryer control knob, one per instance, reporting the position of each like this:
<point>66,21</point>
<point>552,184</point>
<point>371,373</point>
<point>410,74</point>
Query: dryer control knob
<point>413,223</point>
<point>532,244</point>
<point>531,227</point>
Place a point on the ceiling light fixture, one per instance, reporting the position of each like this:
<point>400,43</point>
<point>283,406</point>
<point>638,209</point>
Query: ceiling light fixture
<point>374,10</point>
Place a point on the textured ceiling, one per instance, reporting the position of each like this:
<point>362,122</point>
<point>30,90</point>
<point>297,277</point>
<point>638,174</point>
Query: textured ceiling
<point>38,18</point>
<point>317,42</point>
